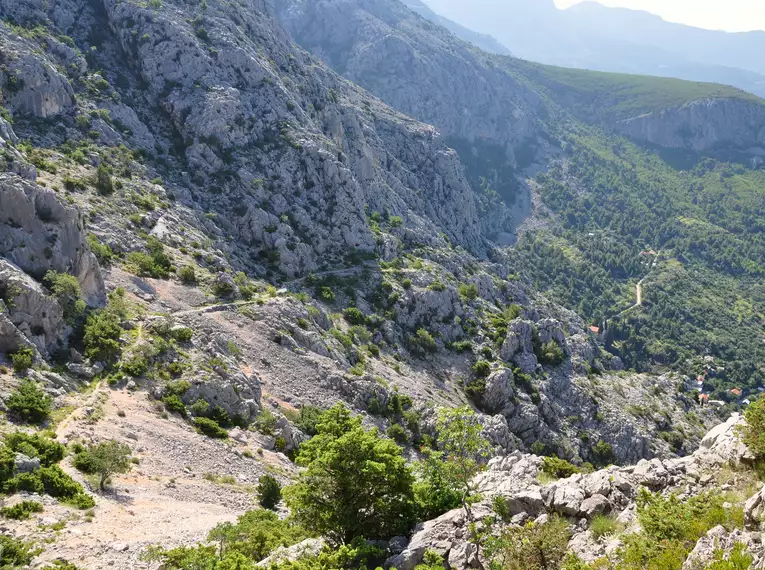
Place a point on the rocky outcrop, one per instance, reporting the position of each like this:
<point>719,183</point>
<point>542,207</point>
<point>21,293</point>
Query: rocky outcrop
<point>35,315</point>
<point>33,84</point>
<point>38,233</point>
<point>720,541</point>
<point>579,498</point>
<point>702,125</point>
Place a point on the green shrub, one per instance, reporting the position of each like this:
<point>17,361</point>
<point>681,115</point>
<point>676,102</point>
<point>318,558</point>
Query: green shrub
<point>105,459</point>
<point>353,316</point>
<point>753,432</point>
<point>102,336</point>
<point>280,444</point>
<point>177,388</point>
<point>269,492</point>
<point>156,263</point>
<point>15,553</point>
<point>66,289</point>
<point>468,291</point>
<point>551,353</point>
<point>423,342</point>
<point>535,546</point>
<point>30,403</point>
<point>102,251</point>
<point>603,453</point>
<point>332,495</point>
<point>437,286</point>
<point>265,422</point>
<point>396,221</point>
<point>103,182</point>
<point>481,369</point>
<point>309,417</point>
<point>210,428</point>
<point>22,359</point>
<point>37,445</point>
<point>187,274</point>
<point>559,467</point>
<point>136,366</point>
<point>603,525</point>
<point>397,433</point>
<point>173,403</point>
<point>183,334</point>
<point>22,511</point>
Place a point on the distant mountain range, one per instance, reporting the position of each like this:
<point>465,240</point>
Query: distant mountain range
<point>483,41</point>
<point>592,36</point>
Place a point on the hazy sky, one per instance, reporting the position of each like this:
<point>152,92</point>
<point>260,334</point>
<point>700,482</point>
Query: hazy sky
<point>730,15</point>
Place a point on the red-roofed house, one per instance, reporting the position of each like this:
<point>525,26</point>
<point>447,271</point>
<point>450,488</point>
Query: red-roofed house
<point>595,330</point>
<point>735,391</point>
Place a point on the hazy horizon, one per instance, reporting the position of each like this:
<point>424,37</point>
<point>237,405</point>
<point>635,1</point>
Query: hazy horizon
<point>730,15</point>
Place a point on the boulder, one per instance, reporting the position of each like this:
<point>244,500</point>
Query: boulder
<point>723,445</point>
<point>594,505</point>
<point>309,547</point>
<point>24,464</point>
<point>754,511</point>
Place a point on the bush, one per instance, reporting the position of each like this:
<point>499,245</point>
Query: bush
<point>210,428</point>
<point>603,525</point>
<point>423,342</point>
<point>437,286</point>
<point>265,422</point>
<point>30,403</point>
<point>481,369</point>
<point>603,453</point>
<point>103,182</point>
<point>559,467</point>
<point>21,511</point>
<point>105,459</point>
<point>102,336</point>
<point>397,433</point>
<point>173,403</point>
<point>753,432</point>
<point>269,492</point>
<point>187,275</point>
<point>156,263</point>
<point>467,291</point>
<point>182,334</point>
<point>551,353</point>
<point>353,316</point>
<point>333,495</point>
<point>309,417</point>
<point>22,359</point>
<point>37,445</point>
<point>435,491</point>
<point>102,251</point>
<point>15,553</point>
<point>531,547</point>
<point>66,289</point>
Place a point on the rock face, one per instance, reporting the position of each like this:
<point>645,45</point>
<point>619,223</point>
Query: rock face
<point>36,316</point>
<point>38,234</point>
<point>701,125</point>
<point>34,84</point>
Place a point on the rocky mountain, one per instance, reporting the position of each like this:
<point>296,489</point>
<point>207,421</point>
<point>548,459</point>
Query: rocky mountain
<point>216,229</point>
<point>589,35</point>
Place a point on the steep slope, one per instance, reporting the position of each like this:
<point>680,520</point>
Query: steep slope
<point>610,199</point>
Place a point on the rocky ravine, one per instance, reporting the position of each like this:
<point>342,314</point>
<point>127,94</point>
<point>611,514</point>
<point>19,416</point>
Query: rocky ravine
<point>262,159</point>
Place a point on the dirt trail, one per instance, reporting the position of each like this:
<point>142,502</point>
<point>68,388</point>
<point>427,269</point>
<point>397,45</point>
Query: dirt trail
<point>167,499</point>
